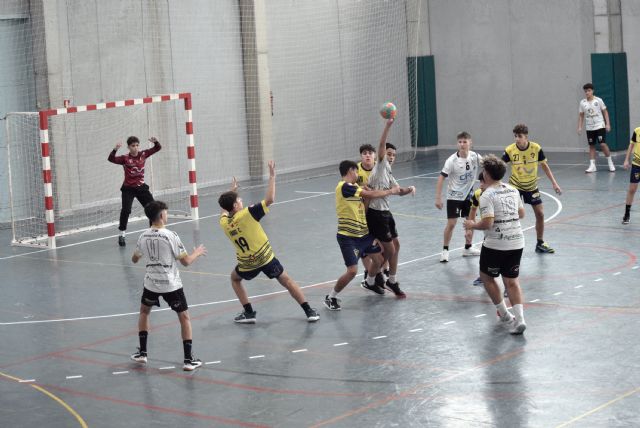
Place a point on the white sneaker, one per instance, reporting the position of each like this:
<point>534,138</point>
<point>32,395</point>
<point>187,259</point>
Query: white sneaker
<point>592,168</point>
<point>470,252</point>
<point>612,167</point>
<point>517,327</point>
<point>444,257</point>
<point>507,319</point>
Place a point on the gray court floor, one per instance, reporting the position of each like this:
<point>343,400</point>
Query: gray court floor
<point>437,359</point>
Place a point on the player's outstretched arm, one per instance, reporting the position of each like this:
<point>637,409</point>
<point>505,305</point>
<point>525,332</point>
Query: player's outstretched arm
<point>373,194</point>
<point>403,191</point>
<point>112,155</point>
<point>200,250</point>
<point>382,145</point>
<point>270,196</point>
<point>547,170</point>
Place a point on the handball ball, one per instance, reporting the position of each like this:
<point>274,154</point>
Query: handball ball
<point>388,111</point>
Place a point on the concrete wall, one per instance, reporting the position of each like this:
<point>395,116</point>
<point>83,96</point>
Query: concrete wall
<point>631,45</point>
<point>500,62</point>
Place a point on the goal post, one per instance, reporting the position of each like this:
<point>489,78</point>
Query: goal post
<point>86,205</point>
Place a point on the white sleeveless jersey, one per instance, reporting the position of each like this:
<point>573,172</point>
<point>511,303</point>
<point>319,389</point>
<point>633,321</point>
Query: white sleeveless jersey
<point>462,173</point>
<point>502,202</point>
<point>161,249</point>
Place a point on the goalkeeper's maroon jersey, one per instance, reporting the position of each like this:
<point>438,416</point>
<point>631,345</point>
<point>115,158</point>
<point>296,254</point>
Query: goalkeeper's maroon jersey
<point>133,166</point>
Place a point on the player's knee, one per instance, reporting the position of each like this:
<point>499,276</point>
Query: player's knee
<point>352,271</point>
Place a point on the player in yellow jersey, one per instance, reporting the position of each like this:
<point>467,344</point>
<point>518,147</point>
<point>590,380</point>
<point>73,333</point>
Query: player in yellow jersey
<point>353,233</point>
<point>253,250</point>
<point>366,164</point>
<point>634,178</point>
<point>525,157</point>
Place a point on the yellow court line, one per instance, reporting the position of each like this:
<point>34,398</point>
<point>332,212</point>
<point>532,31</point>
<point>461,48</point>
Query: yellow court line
<point>75,414</point>
<point>590,412</point>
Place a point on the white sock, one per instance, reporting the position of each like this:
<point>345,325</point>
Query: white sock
<point>392,279</point>
<point>123,233</point>
<point>609,160</point>
<point>592,162</point>
<point>371,280</point>
<point>518,311</point>
<point>502,308</point>
<point>333,294</point>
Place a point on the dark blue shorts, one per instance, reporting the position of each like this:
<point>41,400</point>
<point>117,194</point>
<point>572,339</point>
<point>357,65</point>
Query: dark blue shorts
<point>353,248</point>
<point>530,197</point>
<point>176,299</point>
<point>273,269</point>
<point>635,174</point>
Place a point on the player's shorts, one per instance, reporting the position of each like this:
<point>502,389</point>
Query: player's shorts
<point>635,174</point>
<point>457,209</point>
<point>500,262</point>
<point>531,197</point>
<point>273,269</point>
<point>352,248</point>
<point>175,299</point>
<point>597,136</point>
<point>381,225</point>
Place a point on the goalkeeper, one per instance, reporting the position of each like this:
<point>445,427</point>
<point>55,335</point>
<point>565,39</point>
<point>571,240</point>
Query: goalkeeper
<point>133,185</point>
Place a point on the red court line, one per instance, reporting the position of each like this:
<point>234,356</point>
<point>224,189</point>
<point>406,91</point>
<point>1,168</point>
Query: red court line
<point>170,410</point>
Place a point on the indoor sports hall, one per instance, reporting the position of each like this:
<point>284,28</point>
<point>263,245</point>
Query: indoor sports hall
<point>227,86</point>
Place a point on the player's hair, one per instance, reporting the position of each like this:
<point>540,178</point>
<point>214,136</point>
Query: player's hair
<point>227,200</point>
<point>153,210</point>
<point>131,140</point>
<point>346,166</point>
<point>390,146</point>
<point>521,128</point>
<point>367,148</point>
<point>494,166</point>
<point>587,86</point>
<point>480,177</point>
<point>463,135</point>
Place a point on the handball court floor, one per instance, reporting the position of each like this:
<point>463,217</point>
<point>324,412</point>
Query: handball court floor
<point>436,359</point>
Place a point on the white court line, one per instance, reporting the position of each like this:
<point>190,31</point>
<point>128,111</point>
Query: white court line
<point>534,300</point>
<point>212,362</point>
<point>635,267</point>
<point>378,337</point>
<point>124,372</point>
<point>555,214</point>
<point>449,322</point>
<point>597,280</point>
<point>341,344</point>
<point>415,330</point>
<point>74,377</point>
<point>299,350</point>
<point>617,273</point>
<point>481,315</point>
<point>578,286</point>
<point>253,357</point>
<point>314,193</point>
<point>26,380</point>
<point>558,293</point>
<point>167,368</point>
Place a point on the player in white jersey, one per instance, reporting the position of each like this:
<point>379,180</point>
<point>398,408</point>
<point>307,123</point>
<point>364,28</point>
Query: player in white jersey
<point>162,248</point>
<point>461,169</point>
<point>500,212</point>
<point>593,112</point>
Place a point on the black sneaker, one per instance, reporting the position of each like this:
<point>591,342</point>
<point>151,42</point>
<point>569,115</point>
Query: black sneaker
<point>191,365</point>
<point>332,303</point>
<point>380,280</point>
<point>396,289</point>
<point>374,288</point>
<point>246,317</point>
<point>544,248</point>
<point>312,315</point>
<point>626,219</point>
<point>139,357</point>
<point>121,241</point>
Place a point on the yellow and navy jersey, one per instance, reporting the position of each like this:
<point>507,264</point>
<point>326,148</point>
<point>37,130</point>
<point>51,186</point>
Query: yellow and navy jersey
<point>475,198</point>
<point>350,210</point>
<point>635,139</point>
<point>363,175</point>
<point>524,165</point>
<point>244,230</point>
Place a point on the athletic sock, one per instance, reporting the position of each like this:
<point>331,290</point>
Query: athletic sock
<point>502,308</point>
<point>518,311</point>
<point>186,345</point>
<point>123,233</point>
<point>445,247</point>
<point>333,294</point>
<point>467,246</point>
<point>592,162</point>
<point>370,280</point>
<point>248,308</point>
<point>627,210</point>
<point>305,307</point>
<point>392,279</point>
<point>142,335</point>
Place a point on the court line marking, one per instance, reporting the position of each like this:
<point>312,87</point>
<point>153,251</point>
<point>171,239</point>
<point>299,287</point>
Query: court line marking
<point>481,315</point>
<point>54,397</point>
<point>616,273</point>
<point>212,362</point>
<point>590,412</point>
<point>378,337</point>
<point>597,280</point>
<point>74,377</point>
<point>26,380</point>
<point>295,351</point>
<point>555,214</point>
<point>449,322</point>
<point>253,357</point>
<point>314,193</point>
<point>558,293</point>
<point>578,286</point>
<point>341,344</point>
<point>415,330</point>
<point>167,368</point>
<point>534,300</point>
<point>119,373</point>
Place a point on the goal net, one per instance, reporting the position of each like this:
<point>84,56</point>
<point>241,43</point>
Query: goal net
<point>61,181</point>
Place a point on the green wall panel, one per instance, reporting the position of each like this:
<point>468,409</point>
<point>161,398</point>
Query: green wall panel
<point>422,100</point>
<point>609,76</point>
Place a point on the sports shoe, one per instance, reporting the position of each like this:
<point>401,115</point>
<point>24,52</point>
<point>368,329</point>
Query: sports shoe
<point>592,168</point>
<point>517,327</point>
<point>626,219</point>
<point>478,282</point>
<point>139,357</point>
<point>471,251</point>
<point>191,365</point>
<point>246,317</point>
<point>612,167</point>
<point>507,319</point>
<point>444,257</point>
<point>332,303</point>
<point>374,288</point>
<point>544,248</point>
<point>379,280</point>
<point>396,289</point>
<point>121,241</point>
<point>312,315</point>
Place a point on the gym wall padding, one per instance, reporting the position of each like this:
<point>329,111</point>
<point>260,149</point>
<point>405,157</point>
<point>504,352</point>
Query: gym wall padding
<point>423,113</point>
<point>609,77</point>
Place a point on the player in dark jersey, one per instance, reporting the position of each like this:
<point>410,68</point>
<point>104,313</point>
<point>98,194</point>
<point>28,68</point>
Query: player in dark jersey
<point>133,185</point>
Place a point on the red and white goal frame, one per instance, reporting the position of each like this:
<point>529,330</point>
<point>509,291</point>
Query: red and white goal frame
<point>44,116</point>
